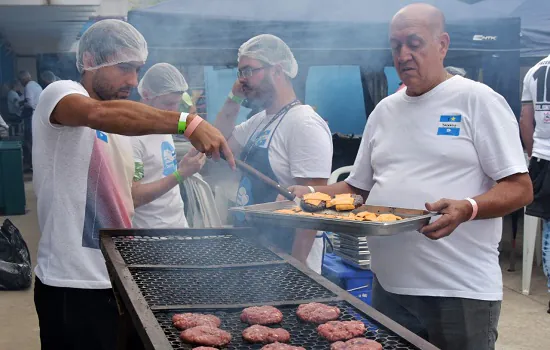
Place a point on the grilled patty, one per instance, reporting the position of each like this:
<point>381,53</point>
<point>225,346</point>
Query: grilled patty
<point>341,330</point>
<point>263,334</point>
<point>189,320</point>
<point>317,312</point>
<point>263,315</point>
<point>357,344</point>
<point>206,335</point>
<point>281,346</point>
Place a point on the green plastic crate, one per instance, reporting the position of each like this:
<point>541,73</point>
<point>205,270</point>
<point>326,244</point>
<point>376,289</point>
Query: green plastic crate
<point>12,188</point>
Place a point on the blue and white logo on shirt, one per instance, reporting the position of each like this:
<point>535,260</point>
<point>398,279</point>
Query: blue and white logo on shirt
<point>168,154</point>
<point>449,125</point>
<point>263,139</point>
<point>102,136</point>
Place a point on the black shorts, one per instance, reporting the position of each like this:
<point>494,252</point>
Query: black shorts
<point>76,319</point>
<point>540,176</point>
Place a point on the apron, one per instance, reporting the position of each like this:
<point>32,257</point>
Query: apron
<point>254,191</point>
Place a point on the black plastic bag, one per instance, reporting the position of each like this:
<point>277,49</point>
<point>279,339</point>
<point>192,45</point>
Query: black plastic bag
<point>15,260</point>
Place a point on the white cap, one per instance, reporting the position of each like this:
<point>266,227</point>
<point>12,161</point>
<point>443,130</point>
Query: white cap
<point>271,50</point>
<point>161,79</point>
<point>110,42</point>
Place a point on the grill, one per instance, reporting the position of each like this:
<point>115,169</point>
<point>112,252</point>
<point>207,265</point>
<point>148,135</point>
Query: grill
<point>189,250</point>
<point>157,273</point>
<point>301,333</point>
<point>269,283</point>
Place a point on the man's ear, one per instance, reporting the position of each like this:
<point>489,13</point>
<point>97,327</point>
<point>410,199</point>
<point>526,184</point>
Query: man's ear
<point>444,42</point>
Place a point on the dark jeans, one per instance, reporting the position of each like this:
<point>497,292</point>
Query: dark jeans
<point>76,319</point>
<point>448,323</point>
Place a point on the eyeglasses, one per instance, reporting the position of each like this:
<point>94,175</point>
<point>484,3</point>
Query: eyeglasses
<point>247,72</point>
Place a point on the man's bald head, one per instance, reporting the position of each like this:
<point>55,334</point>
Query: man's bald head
<point>430,15</point>
<point>419,45</point>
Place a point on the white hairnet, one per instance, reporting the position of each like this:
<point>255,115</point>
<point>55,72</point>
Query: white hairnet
<point>271,50</point>
<point>110,42</point>
<point>48,76</point>
<point>161,79</point>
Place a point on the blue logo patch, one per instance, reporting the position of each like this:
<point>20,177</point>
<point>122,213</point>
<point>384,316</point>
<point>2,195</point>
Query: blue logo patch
<point>169,161</point>
<point>449,125</point>
<point>102,136</point>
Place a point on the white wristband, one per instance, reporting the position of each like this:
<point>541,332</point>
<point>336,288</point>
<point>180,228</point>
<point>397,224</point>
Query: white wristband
<point>183,117</point>
<point>475,208</point>
<point>311,189</point>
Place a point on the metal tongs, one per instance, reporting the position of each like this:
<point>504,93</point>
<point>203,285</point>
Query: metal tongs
<point>268,181</point>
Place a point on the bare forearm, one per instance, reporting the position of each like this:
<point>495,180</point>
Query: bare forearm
<point>227,117</point>
<point>341,187</point>
<point>527,131</point>
<point>132,119</point>
<point>146,193</point>
<point>505,197</point>
<point>527,127</point>
<point>302,244</point>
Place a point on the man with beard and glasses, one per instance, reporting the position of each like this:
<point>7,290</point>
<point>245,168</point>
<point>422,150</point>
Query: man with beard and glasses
<point>450,145</point>
<point>83,172</point>
<point>286,140</point>
<point>157,177</point>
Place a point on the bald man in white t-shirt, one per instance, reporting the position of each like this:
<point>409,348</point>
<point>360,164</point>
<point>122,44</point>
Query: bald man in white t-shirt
<point>449,145</point>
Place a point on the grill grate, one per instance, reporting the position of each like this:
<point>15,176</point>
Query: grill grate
<point>187,250</point>
<point>302,334</point>
<point>239,285</point>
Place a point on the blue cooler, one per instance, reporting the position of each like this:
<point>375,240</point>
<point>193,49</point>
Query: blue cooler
<point>356,281</point>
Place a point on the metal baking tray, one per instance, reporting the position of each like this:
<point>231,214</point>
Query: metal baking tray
<point>261,215</point>
<point>359,263</point>
<point>354,253</point>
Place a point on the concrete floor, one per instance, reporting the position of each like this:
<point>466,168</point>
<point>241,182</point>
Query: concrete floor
<point>523,325</point>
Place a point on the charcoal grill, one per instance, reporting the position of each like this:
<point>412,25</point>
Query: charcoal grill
<point>157,273</point>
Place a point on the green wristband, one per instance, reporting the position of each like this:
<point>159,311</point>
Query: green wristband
<point>238,100</point>
<point>178,176</point>
<point>181,127</point>
<point>182,123</point>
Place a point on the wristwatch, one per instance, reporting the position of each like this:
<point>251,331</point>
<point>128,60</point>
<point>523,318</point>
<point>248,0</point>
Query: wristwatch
<point>238,100</point>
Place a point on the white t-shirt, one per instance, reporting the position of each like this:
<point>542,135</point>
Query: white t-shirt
<point>156,154</point>
<point>536,90</point>
<point>301,147</point>
<point>82,180</point>
<point>453,142</point>
<point>32,93</point>
<point>13,100</point>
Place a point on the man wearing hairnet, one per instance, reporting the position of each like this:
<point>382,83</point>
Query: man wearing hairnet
<point>48,77</point>
<point>287,141</point>
<point>155,189</point>
<point>83,172</point>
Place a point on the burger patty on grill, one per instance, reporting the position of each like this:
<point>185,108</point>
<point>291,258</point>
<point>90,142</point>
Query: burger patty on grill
<point>341,330</point>
<point>263,334</point>
<point>262,315</point>
<point>357,344</point>
<point>281,346</point>
<point>317,312</point>
<point>206,335</point>
<point>189,320</point>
